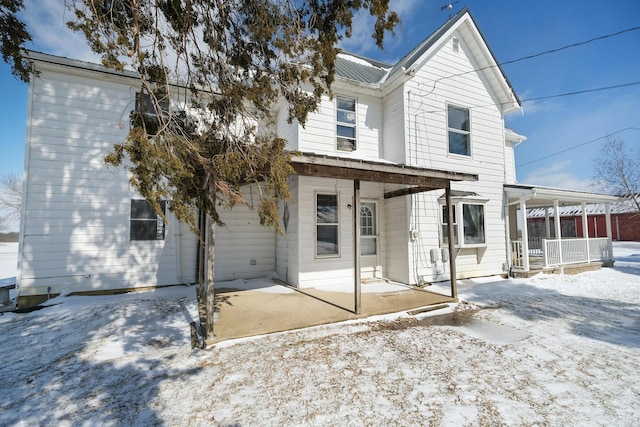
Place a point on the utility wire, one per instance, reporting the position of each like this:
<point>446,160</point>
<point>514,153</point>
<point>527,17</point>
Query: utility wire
<point>538,98</point>
<point>535,55</point>
<point>582,91</point>
<point>581,145</point>
<point>546,52</point>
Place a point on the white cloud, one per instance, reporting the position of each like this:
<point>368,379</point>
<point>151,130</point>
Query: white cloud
<point>558,175</point>
<point>362,28</point>
<point>46,21</point>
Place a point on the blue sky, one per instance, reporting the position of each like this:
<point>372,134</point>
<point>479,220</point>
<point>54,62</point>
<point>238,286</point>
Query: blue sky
<point>513,29</point>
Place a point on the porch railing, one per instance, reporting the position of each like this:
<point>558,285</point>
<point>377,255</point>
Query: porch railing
<point>575,251</point>
<point>517,257</point>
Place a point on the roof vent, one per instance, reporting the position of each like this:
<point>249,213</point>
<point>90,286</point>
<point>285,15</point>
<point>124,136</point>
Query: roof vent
<point>455,44</point>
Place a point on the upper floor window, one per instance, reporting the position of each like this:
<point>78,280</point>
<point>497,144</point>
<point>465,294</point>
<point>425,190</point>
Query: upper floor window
<point>459,130</point>
<point>145,112</point>
<point>146,224</point>
<point>346,123</point>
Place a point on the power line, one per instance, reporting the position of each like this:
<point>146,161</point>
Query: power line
<point>606,36</point>
<point>580,145</point>
<point>535,55</point>
<point>538,98</point>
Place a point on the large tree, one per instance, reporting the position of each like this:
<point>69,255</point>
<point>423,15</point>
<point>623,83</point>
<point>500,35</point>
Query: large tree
<point>214,72</point>
<point>617,169</point>
<point>13,36</point>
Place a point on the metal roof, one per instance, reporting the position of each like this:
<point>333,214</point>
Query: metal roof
<point>354,67</point>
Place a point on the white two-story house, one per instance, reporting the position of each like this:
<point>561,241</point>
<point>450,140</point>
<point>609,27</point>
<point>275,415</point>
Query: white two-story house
<point>377,163</point>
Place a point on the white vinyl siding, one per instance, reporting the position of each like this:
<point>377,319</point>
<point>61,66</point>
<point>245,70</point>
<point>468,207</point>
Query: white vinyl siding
<point>244,248</point>
<point>75,233</point>
<point>319,133</point>
<point>427,146</point>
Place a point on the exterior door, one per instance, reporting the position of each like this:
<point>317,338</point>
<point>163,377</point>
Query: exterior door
<point>369,238</point>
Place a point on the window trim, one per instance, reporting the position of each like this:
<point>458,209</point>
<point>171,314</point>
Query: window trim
<point>337,225</point>
<point>460,132</point>
<point>458,210</point>
<point>376,228</point>
<point>345,124</point>
<point>158,218</point>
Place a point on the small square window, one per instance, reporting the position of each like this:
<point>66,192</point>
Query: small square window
<point>459,130</point>
<point>146,224</point>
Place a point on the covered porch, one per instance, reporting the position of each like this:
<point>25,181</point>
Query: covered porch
<point>551,248</point>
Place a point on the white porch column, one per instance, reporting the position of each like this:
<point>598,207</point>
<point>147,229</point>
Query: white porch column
<point>525,234</point>
<point>585,230</point>
<point>607,214</point>
<point>507,230</point>
<point>556,220</point>
<point>547,223</point>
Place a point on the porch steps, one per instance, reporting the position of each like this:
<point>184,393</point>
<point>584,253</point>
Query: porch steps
<point>568,269</point>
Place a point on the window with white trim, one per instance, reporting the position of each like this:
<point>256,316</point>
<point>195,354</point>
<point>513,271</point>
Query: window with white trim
<point>146,223</point>
<point>459,130</point>
<point>445,225</point>
<point>346,123</point>
<point>368,229</point>
<point>468,222</point>
<point>327,225</point>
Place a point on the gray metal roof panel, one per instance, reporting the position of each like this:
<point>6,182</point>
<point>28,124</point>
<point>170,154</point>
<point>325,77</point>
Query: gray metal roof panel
<point>359,70</point>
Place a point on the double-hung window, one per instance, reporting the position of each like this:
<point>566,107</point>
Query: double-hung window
<point>145,223</point>
<point>468,222</point>
<point>346,123</point>
<point>327,225</point>
<point>459,130</point>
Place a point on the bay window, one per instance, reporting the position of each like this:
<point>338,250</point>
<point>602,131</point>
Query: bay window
<point>468,222</point>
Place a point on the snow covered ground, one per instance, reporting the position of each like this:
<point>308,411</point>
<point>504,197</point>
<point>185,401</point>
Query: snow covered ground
<point>551,350</point>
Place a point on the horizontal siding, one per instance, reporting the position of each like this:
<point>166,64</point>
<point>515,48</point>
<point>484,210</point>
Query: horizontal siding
<point>332,270</point>
<point>396,235</point>
<point>243,241</point>
<point>394,129</point>
<point>287,265</point>
<point>319,134</point>
<point>76,227</point>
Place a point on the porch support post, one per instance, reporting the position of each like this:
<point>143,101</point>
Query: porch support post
<point>556,221</point>
<point>547,223</point>
<point>585,230</point>
<point>607,215</point>
<point>525,234</point>
<point>507,229</point>
<point>356,246</point>
<point>452,245</point>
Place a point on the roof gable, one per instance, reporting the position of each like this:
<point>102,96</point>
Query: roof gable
<point>368,71</point>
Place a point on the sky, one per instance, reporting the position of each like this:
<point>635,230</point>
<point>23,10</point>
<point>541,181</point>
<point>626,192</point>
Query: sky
<point>512,29</point>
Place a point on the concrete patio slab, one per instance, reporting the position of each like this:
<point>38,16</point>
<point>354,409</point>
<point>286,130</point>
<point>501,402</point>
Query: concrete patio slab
<point>246,308</point>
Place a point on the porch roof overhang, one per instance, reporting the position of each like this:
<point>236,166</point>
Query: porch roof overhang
<point>540,197</point>
<point>417,179</point>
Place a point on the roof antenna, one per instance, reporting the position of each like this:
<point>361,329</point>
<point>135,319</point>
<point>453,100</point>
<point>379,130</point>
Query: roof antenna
<point>449,6</point>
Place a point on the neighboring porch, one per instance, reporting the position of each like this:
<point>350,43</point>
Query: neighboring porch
<point>552,248</point>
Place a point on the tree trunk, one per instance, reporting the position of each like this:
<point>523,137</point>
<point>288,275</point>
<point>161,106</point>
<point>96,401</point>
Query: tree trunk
<point>209,277</point>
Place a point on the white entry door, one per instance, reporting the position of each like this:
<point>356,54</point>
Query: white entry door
<point>369,237</point>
